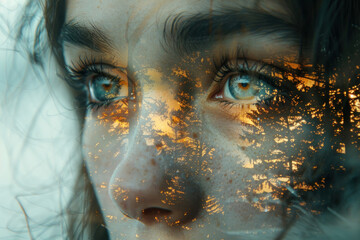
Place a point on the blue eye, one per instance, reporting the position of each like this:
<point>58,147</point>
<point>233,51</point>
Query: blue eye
<point>244,87</point>
<point>241,87</point>
<point>106,88</point>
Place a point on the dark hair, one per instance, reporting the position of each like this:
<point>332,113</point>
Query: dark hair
<point>85,220</point>
<point>329,31</point>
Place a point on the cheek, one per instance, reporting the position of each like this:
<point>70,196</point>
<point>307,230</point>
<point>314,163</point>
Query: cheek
<point>105,141</point>
<point>215,154</point>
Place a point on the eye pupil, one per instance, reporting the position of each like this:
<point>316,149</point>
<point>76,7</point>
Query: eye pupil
<point>244,85</point>
<point>107,86</point>
<point>105,89</point>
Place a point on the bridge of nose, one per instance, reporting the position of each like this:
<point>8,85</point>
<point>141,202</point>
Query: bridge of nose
<point>148,183</point>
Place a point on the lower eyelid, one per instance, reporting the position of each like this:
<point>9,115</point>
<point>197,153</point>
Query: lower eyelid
<point>233,112</point>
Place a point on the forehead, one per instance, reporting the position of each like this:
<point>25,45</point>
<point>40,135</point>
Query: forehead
<point>131,19</point>
<point>141,10</point>
<point>130,24</point>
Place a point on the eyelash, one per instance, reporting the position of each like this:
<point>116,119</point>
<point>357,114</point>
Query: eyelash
<point>241,66</point>
<point>77,75</point>
<point>80,70</point>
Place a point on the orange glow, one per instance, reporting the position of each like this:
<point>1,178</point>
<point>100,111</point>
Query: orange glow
<point>213,206</point>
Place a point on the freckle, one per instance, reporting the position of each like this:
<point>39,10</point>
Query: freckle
<point>225,174</point>
<point>207,179</point>
<point>230,181</point>
<point>243,148</point>
<point>153,162</point>
<point>195,135</point>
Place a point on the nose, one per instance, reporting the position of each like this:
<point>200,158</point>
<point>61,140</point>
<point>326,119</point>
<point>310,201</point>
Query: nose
<point>147,191</point>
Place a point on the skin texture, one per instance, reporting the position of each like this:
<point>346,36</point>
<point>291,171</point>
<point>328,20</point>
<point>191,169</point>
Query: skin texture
<point>169,160</point>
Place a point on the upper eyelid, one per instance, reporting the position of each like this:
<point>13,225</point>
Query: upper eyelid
<point>229,69</point>
<point>96,67</point>
<point>83,67</point>
<point>239,56</point>
<point>84,60</point>
<point>256,67</point>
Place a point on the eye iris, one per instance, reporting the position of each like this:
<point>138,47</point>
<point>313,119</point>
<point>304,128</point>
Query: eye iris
<point>104,89</point>
<point>240,87</point>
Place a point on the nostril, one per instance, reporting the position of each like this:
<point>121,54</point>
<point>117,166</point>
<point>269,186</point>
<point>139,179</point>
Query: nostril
<point>155,211</point>
<point>171,197</point>
<point>155,215</point>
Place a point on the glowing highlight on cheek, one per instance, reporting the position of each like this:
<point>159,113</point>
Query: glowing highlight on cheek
<point>179,72</point>
<point>160,124</point>
<point>240,114</point>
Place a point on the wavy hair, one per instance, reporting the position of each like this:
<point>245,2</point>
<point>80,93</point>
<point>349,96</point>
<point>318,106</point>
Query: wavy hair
<point>329,31</point>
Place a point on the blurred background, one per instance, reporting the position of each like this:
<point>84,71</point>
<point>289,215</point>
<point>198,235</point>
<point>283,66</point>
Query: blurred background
<point>39,139</point>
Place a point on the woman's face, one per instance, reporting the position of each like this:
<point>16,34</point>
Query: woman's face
<point>179,93</point>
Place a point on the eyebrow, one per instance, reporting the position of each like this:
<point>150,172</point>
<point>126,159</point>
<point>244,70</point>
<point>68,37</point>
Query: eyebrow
<point>185,34</point>
<point>91,37</point>
<point>188,33</point>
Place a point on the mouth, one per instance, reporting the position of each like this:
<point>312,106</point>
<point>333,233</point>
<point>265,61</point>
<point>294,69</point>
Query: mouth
<point>270,233</point>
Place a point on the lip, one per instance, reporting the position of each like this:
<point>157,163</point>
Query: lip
<point>165,232</point>
<point>235,115</point>
<point>159,231</point>
<point>269,233</point>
